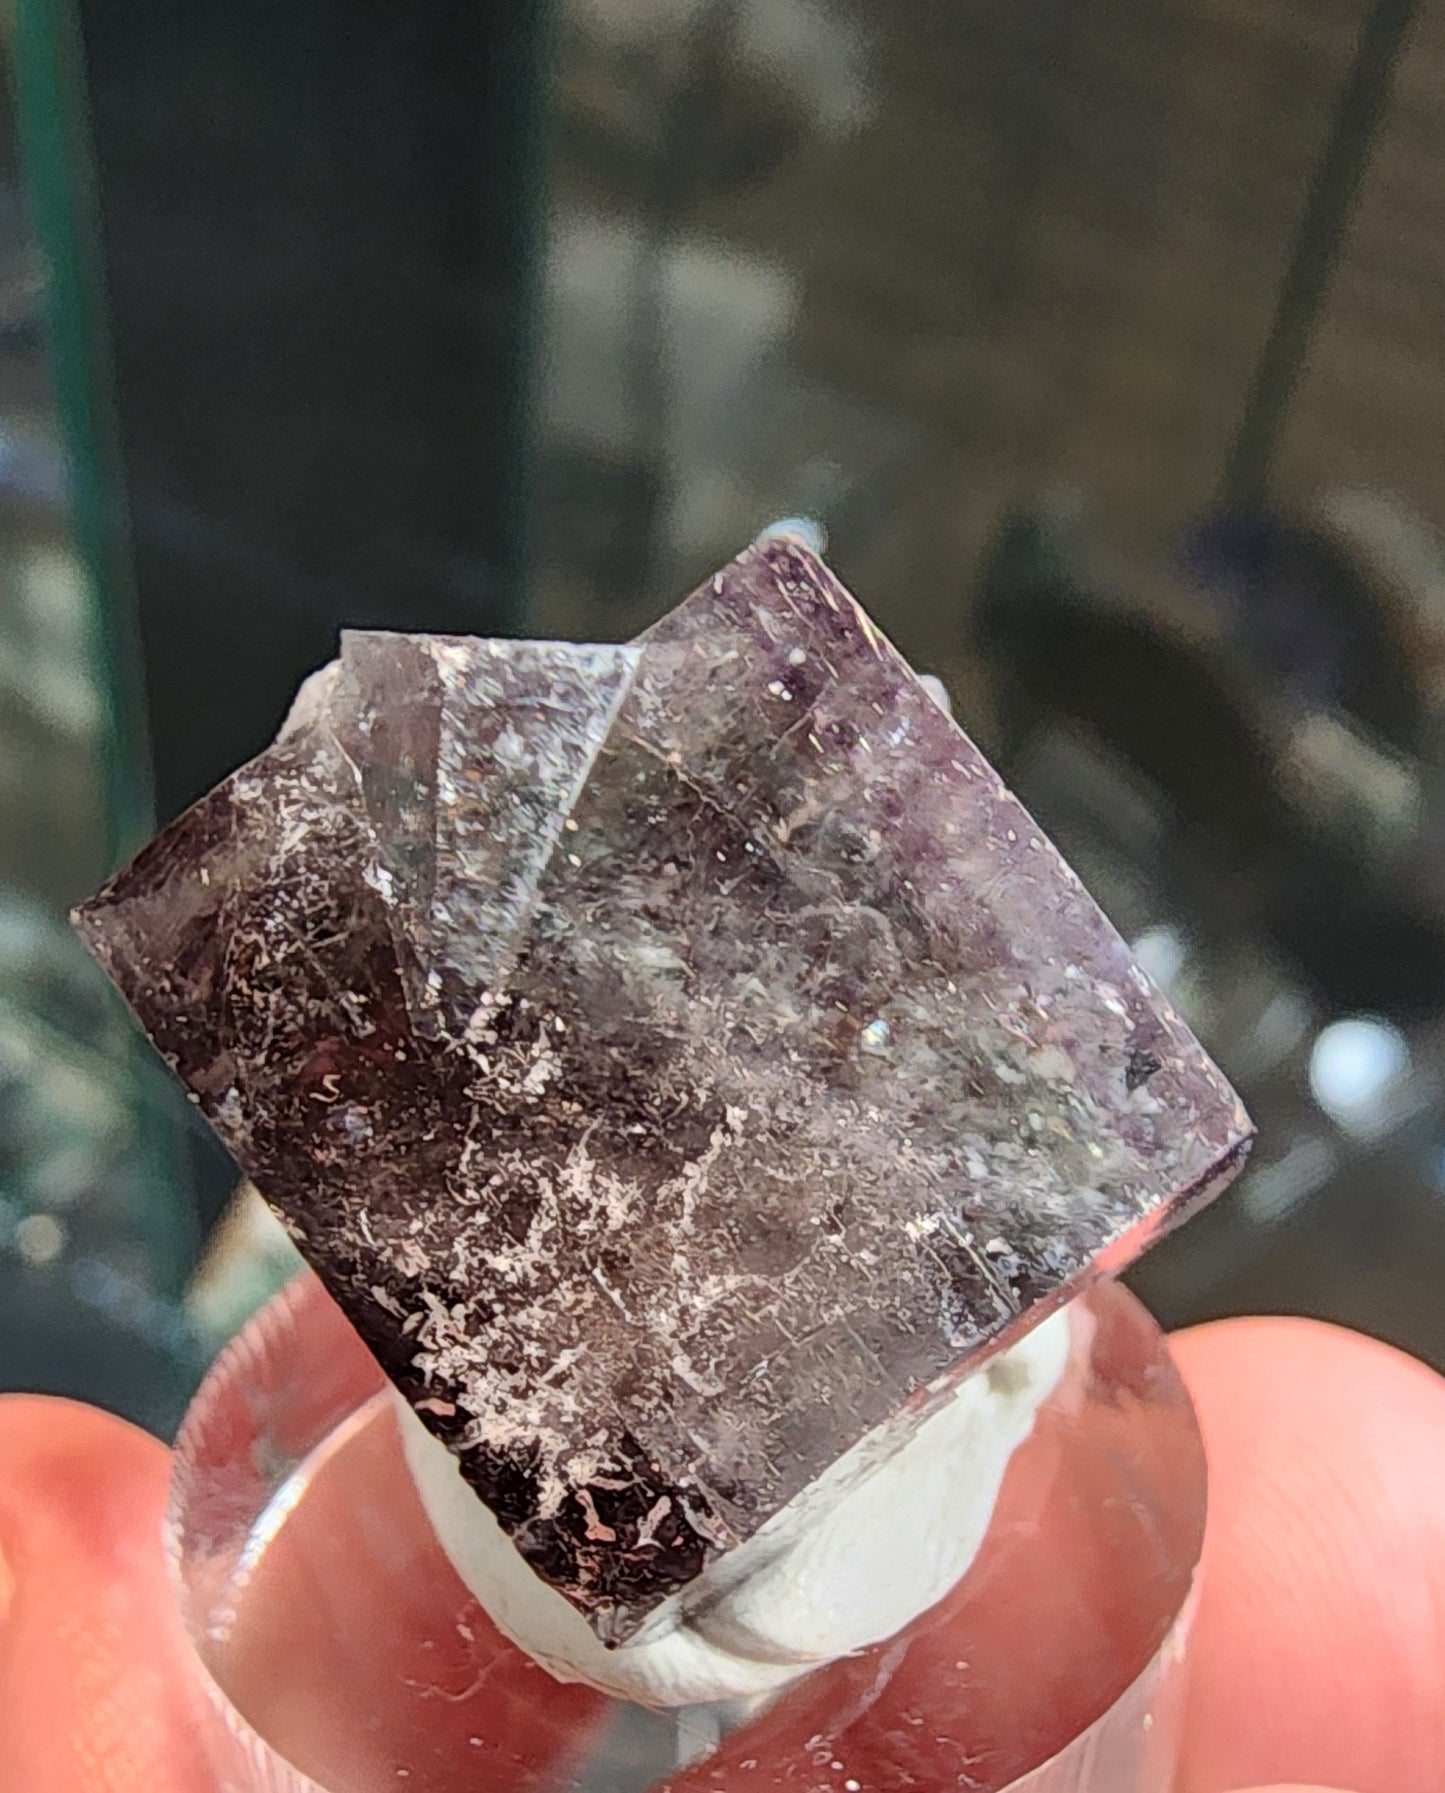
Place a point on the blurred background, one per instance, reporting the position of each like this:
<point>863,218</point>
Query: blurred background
<point>1100,341</point>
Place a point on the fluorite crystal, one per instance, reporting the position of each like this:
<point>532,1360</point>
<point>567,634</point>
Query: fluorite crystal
<point>677,1059</point>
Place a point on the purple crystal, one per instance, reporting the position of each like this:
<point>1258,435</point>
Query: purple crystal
<point>675,1058</point>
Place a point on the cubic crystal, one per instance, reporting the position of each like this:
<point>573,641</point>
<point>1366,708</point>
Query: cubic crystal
<point>677,1059</point>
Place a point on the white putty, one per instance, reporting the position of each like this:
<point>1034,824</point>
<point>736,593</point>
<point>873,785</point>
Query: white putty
<point>876,1541</point>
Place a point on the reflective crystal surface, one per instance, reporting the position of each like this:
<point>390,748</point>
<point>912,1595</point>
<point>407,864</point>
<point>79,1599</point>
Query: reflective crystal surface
<point>679,1060</point>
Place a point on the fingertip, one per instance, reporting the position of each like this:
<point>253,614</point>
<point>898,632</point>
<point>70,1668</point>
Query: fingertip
<point>1292,1345</point>
<point>1322,1616</point>
<point>92,1689</point>
<point>37,1428</point>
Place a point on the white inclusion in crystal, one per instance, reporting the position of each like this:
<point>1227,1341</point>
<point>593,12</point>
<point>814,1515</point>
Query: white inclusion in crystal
<point>877,1539</point>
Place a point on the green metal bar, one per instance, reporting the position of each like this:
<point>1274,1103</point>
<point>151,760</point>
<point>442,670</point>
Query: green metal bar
<point>534,98</point>
<point>1346,154</point>
<point>57,169</point>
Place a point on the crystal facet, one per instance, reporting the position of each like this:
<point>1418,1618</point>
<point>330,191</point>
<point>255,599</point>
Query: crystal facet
<point>678,1060</point>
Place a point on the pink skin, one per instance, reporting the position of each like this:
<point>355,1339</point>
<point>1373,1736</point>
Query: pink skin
<point>1317,1655</point>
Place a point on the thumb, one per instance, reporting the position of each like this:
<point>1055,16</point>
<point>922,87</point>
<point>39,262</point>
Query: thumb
<point>1321,1628</point>
<point>92,1688</point>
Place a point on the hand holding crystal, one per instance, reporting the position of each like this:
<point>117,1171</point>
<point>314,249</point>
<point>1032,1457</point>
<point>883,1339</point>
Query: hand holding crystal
<point>1316,1654</point>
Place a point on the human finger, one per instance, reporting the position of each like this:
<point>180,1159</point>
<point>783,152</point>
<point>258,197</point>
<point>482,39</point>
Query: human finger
<point>1320,1638</point>
<point>92,1691</point>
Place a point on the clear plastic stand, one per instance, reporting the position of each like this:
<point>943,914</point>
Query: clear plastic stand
<point>337,1652</point>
